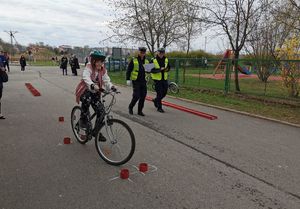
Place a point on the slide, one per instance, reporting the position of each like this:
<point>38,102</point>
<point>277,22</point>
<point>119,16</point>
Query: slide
<point>244,70</point>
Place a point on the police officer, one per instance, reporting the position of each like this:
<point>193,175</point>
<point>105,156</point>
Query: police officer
<point>136,75</point>
<point>160,77</point>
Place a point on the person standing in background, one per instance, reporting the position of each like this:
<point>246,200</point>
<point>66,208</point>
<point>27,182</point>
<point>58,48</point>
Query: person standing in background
<point>3,78</point>
<point>74,65</point>
<point>7,61</point>
<point>64,64</point>
<point>22,63</point>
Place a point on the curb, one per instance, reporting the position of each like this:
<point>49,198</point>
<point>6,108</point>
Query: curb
<point>237,111</point>
<point>231,110</point>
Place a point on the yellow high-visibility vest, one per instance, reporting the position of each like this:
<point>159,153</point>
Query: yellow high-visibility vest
<point>157,76</point>
<point>135,71</point>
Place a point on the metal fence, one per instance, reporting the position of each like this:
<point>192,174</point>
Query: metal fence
<point>262,78</point>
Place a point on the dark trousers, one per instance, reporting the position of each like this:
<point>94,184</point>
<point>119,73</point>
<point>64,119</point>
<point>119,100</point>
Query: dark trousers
<point>74,71</point>
<point>65,71</point>
<point>88,98</point>
<point>7,65</point>
<point>1,89</point>
<point>139,94</point>
<point>161,88</point>
<point>22,68</point>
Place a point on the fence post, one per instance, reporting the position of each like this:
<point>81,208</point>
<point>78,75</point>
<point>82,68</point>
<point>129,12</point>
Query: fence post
<point>227,80</point>
<point>109,63</point>
<point>177,70</point>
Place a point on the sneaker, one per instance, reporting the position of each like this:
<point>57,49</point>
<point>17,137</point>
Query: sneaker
<point>160,110</point>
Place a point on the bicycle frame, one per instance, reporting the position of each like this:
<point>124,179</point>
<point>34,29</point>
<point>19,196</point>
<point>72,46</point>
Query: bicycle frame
<point>106,113</point>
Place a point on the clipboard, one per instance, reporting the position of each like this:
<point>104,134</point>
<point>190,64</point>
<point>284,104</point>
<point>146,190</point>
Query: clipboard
<point>149,67</point>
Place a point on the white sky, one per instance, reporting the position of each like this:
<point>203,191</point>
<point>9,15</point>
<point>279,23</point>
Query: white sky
<point>66,22</point>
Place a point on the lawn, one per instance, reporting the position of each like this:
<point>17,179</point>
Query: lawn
<point>252,99</point>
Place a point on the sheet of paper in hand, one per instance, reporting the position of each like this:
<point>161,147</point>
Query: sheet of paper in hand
<point>149,67</point>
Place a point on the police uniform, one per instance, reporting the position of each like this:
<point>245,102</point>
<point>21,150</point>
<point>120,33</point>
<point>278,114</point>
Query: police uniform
<point>160,78</point>
<point>136,73</point>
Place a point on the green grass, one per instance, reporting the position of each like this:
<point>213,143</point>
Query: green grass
<point>211,92</point>
<point>42,63</point>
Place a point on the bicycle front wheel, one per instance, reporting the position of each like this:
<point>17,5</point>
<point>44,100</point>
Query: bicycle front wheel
<point>75,117</point>
<point>115,143</point>
<point>173,88</point>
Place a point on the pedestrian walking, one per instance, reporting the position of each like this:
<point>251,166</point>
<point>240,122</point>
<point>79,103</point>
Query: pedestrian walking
<point>160,77</point>
<point>135,75</point>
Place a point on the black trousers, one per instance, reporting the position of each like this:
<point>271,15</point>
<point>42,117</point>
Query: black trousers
<point>74,71</point>
<point>161,88</point>
<point>139,94</point>
<point>1,89</point>
<point>87,99</point>
<point>65,71</point>
<point>7,65</point>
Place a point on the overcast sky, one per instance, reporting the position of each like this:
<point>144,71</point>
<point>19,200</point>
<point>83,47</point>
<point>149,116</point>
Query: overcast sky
<point>65,22</point>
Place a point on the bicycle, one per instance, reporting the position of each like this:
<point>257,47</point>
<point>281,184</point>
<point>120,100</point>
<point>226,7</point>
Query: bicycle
<point>114,139</point>
<point>172,86</point>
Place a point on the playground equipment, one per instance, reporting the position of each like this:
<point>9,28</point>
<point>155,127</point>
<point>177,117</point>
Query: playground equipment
<point>221,66</point>
<point>244,70</point>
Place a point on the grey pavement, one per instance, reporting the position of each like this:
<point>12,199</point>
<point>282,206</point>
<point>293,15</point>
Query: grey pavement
<point>235,161</point>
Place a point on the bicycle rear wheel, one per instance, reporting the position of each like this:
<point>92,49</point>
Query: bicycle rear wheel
<point>75,117</point>
<point>173,88</point>
<point>119,145</point>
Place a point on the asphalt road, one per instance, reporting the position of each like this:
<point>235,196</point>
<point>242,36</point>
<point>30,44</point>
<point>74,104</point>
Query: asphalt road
<point>234,162</point>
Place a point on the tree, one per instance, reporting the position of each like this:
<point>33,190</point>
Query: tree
<point>267,35</point>
<point>237,19</point>
<point>291,69</point>
<point>156,23</point>
<point>288,13</point>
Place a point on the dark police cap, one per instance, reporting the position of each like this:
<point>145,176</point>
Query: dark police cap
<point>161,49</point>
<point>142,49</point>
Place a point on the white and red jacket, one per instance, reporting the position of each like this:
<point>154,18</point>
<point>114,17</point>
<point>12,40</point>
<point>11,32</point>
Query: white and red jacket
<point>94,77</point>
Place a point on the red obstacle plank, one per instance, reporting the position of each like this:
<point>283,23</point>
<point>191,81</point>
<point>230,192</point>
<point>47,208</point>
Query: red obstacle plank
<point>185,109</point>
<point>33,90</point>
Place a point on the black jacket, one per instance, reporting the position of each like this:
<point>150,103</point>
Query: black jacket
<point>64,62</point>
<point>23,61</point>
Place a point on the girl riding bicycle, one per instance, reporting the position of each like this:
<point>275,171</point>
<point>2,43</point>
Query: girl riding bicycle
<point>94,78</point>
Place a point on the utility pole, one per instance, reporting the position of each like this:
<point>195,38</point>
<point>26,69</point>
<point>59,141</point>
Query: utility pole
<point>11,34</point>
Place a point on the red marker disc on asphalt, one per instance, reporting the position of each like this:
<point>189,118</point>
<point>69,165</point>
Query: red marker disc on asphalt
<point>124,174</point>
<point>143,167</point>
<point>67,140</point>
<point>61,119</point>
